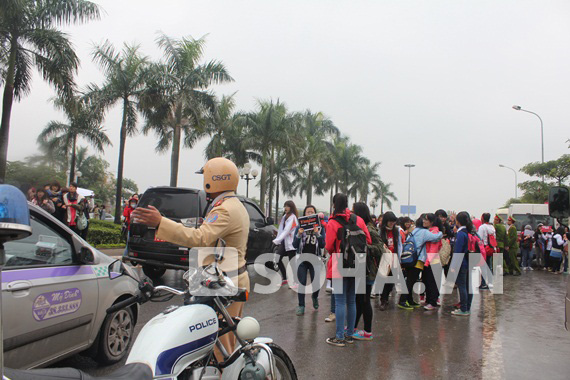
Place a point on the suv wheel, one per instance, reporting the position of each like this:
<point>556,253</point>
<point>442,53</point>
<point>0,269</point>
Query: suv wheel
<point>153,272</point>
<point>116,336</point>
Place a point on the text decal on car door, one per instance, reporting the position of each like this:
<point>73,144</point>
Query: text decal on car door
<point>56,304</point>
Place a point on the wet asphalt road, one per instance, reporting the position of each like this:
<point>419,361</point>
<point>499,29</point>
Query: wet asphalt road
<point>517,335</point>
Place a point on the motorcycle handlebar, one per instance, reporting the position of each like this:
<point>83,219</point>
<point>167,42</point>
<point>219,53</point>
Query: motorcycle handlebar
<point>122,304</point>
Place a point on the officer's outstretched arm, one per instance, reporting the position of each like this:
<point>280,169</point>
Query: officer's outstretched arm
<point>215,226</point>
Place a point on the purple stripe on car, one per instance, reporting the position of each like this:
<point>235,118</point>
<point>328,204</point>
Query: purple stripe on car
<point>39,273</point>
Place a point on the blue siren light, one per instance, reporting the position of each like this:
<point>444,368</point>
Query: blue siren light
<point>14,214</point>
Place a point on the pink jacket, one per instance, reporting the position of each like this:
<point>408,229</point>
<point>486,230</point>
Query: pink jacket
<point>432,249</point>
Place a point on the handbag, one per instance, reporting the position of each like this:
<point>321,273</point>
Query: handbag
<point>386,262</point>
<point>445,252</point>
<point>81,222</point>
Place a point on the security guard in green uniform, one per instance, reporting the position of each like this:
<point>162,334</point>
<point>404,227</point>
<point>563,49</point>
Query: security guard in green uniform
<point>513,247</point>
<point>501,232</point>
<point>226,218</point>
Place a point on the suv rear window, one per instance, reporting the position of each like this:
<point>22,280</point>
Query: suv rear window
<point>174,205</point>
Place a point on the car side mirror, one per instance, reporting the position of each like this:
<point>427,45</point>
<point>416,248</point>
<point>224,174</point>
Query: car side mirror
<point>559,202</point>
<point>86,256</point>
<point>269,221</point>
<point>116,269</point>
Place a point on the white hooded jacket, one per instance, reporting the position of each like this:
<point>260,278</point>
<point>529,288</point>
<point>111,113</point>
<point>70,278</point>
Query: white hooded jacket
<point>287,232</point>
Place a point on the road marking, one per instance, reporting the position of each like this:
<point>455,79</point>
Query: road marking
<point>493,363</point>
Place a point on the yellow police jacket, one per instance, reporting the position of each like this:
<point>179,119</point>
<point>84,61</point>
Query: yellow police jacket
<point>229,220</point>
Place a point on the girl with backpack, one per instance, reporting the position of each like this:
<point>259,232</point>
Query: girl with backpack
<point>392,238</point>
<point>526,247</point>
<point>373,257</point>
<point>419,236</point>
<point>311,242</point>
<point>285,236</point>
<point>559,241</point>
<point>344,287</point>
<point>435,226</point>
<point>464,228</point>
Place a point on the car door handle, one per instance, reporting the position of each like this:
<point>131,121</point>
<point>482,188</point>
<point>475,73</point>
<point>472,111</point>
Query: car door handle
<point>18,285</point>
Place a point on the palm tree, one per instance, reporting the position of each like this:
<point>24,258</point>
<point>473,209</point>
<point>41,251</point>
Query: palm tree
<point>265,132</point>
<point>383,193</point>
<point>83,121</point>
<point>316,130</point>
<point>364,177</point>
<point>124,72</point>
<point>228,134</point>
<point>29,38</point>
<point>177,100</point>
<point>283,172</point>
<point>349,160</point>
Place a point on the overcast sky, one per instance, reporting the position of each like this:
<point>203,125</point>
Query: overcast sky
<point>424,82</point>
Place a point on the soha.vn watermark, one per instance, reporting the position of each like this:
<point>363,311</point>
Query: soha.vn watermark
<point>269,278</point>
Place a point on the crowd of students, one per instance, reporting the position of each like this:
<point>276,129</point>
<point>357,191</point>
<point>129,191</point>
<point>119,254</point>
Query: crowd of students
<point>434,237</point>
<point>64,203</point>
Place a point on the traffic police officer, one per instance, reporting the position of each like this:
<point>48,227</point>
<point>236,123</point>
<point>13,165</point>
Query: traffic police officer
<point>226,218</point>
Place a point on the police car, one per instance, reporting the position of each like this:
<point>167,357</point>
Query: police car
<point>55,292</point>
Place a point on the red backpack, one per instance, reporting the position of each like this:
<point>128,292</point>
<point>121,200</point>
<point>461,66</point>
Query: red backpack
<point>476,245</point>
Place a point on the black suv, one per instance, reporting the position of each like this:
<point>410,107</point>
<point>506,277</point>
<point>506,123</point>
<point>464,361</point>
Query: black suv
<point>188,206</point>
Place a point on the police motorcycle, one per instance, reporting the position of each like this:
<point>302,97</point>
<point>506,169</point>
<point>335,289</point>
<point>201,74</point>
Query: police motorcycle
<point>178,343</point>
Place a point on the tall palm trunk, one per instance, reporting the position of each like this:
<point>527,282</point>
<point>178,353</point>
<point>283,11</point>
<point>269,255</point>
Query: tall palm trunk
<point>263,180</point>
<point>310,185</point>
<point>73,159</point>
<point>277,198</point>
<point>175,157</point>
<point>7,102</point>
<point>122,141</point>
<point>271,180</point>
<point>331,199</point>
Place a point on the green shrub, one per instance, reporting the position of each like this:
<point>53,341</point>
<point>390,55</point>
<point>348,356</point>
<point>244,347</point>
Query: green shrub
<point>104,224</point>
<point>102,232</point>
<point>110,246</point>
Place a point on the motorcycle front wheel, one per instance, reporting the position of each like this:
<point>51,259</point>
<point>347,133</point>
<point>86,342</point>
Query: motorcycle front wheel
<point>283,364</point>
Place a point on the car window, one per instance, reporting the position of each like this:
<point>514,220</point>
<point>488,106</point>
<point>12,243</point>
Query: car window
<point>523,219</point>
<point>173,205</point>
<point>254,215</point>
<point>43,247</point>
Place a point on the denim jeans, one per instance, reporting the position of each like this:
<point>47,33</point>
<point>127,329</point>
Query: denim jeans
<point>464,286</point>
<point>345,310</point>
<point>489,261</point>
<point>556,262</point>
<point>539,249</point>
<point>526,254</point>
<point>126,251</point>
<point>306,268</point>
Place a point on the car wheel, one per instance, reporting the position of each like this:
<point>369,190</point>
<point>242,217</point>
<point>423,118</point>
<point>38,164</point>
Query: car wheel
<point>116,336</point>
<point>153,272</point>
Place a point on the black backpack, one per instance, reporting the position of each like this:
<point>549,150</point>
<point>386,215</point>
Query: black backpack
<point>352,239</point>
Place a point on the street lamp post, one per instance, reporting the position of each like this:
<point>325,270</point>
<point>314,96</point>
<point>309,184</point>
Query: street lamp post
<point>373,204</point>
<point>78,175</point>
<point>409,166</point>
<point>516,181</point>
<point>244,174</point>
<point>519,108</point>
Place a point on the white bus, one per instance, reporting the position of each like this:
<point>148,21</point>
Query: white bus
<point>527,213</point>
